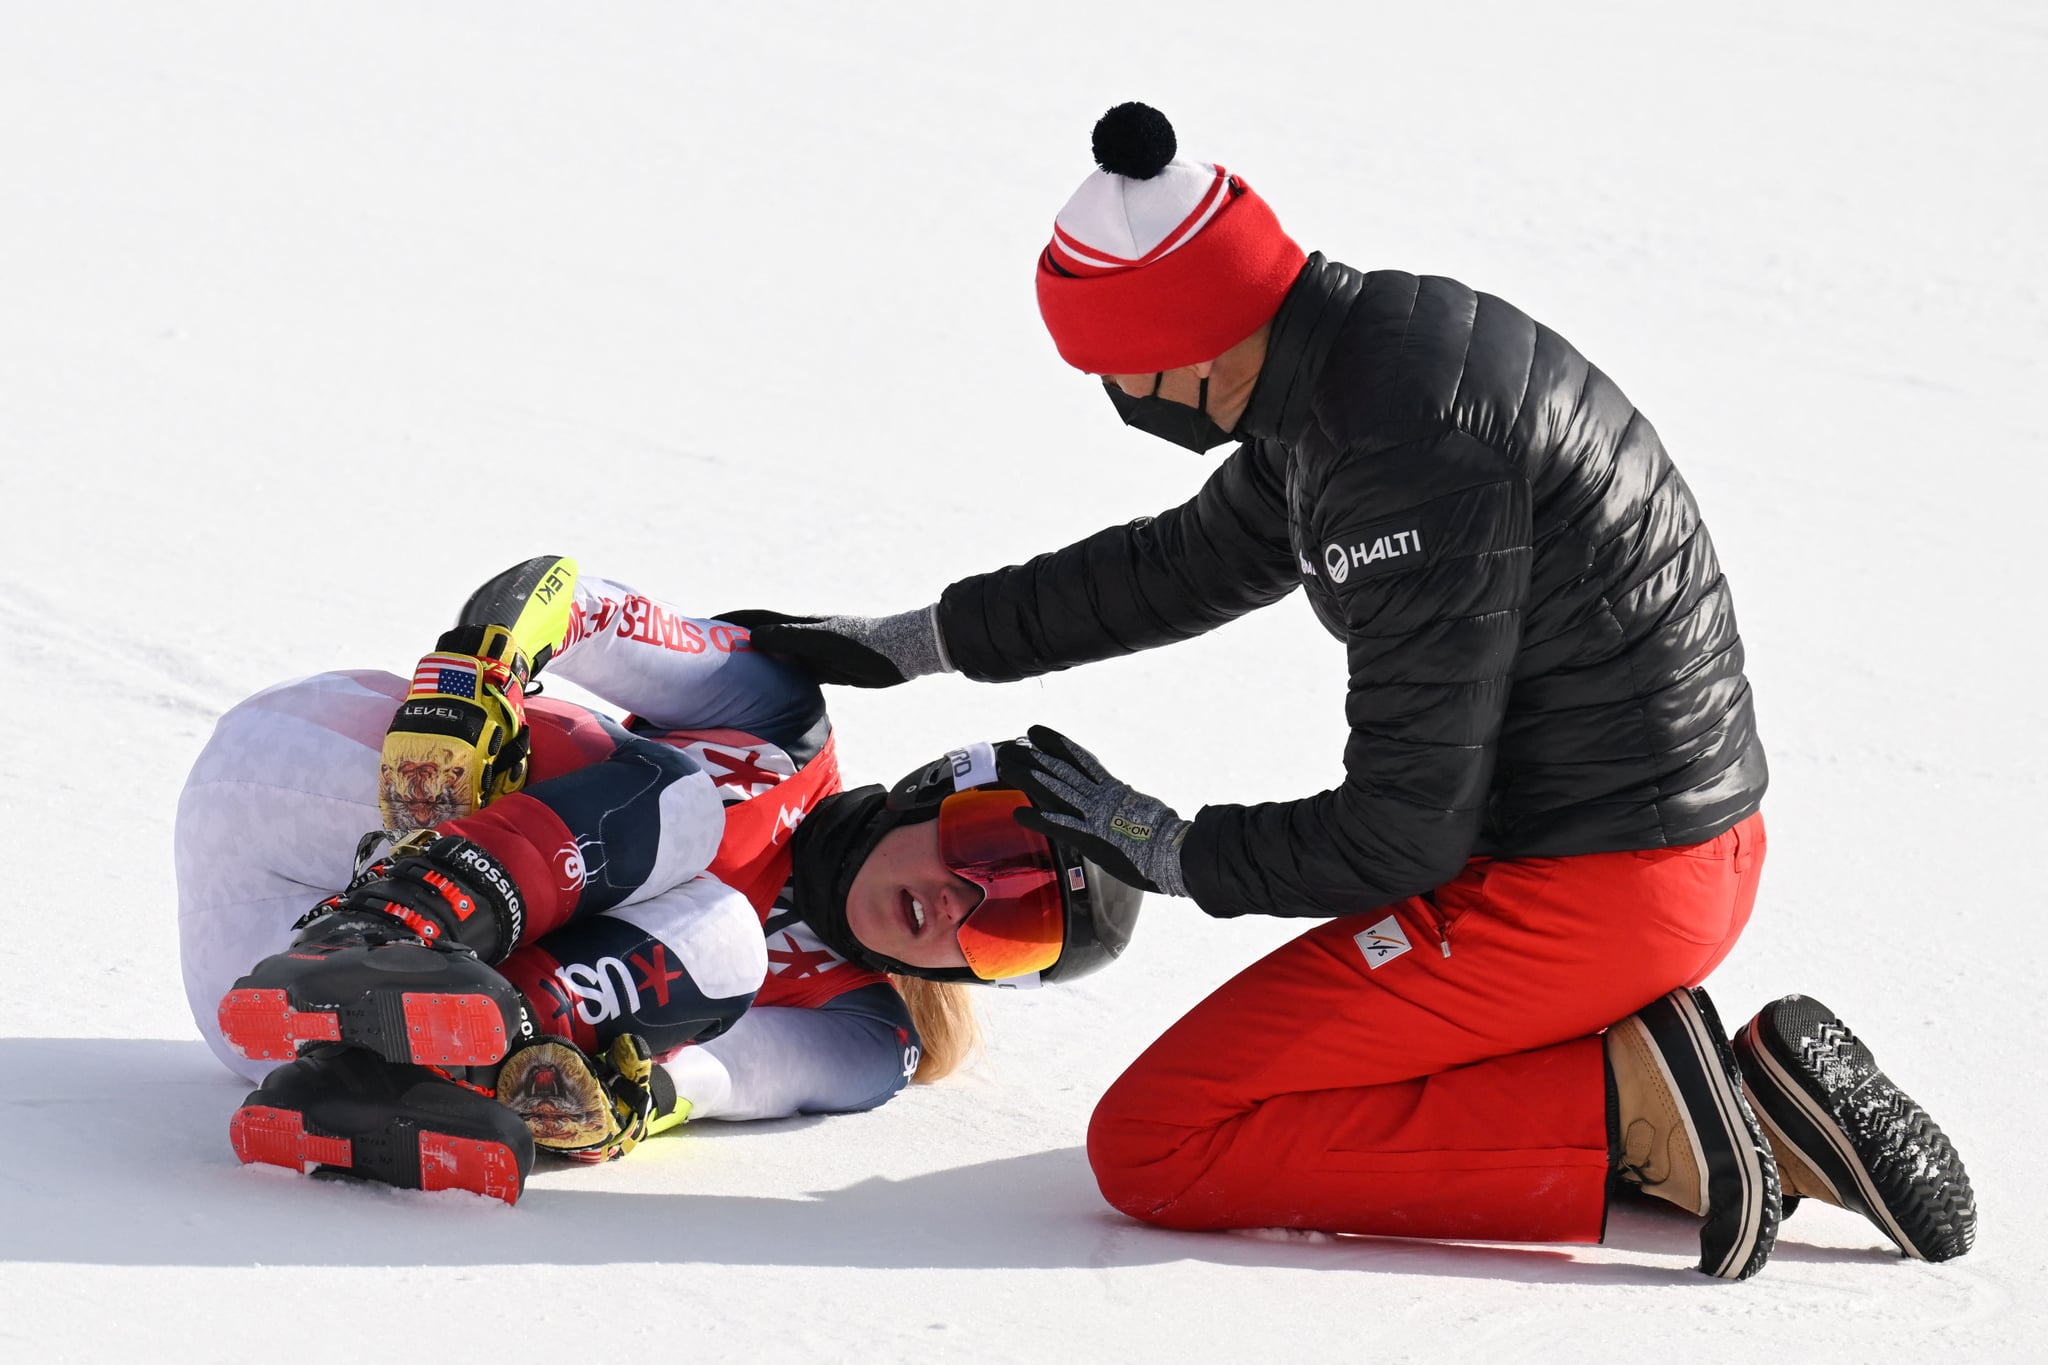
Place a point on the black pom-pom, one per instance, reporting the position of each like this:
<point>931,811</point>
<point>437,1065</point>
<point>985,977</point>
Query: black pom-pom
<point>1134,140</point>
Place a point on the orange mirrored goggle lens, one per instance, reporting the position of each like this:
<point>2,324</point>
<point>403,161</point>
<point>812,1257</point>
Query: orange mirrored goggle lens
<point>1019,926</point>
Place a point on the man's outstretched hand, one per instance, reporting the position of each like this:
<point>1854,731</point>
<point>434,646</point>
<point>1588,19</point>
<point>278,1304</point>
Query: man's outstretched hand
<point>1074,801</point>
<point>851,651</point>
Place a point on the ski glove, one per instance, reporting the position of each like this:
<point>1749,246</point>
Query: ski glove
<point>589,1108</point>
<point>459,739</point>
<point>1136,838</point>
<point>852,651</point>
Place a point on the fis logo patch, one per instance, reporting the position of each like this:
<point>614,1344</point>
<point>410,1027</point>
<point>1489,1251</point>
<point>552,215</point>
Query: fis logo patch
<point>1373,553</point>
<point>1382,943</point>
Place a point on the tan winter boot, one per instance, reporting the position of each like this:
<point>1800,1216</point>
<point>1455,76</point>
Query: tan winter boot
<point>1683,1130</point>
<point>1796,1179</point>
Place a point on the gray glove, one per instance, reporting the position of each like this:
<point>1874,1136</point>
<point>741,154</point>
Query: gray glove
<point>1136,838</point>
<point>853,651</point>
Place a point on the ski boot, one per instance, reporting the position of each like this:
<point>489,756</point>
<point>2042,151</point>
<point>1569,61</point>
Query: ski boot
<point>1846,1135</point>
<point>1682,1130</point>
<point>395,964</point>
<point>345,1110</point>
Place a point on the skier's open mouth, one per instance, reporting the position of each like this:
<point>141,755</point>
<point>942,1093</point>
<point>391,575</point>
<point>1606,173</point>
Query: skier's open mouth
<point>912,911</point>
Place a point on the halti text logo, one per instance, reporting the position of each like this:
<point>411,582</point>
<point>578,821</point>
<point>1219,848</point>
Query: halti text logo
<point>1340,561</point>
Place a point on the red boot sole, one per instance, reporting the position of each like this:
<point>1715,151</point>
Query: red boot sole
<point>428,1027</point>
<point>454,1030</point>
<point>262,1025</point>
<point>278,1137</point>
<point>453,1163</point>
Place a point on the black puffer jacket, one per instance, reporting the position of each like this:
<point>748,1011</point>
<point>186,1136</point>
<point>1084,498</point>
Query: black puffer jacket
<point>1543,651</point>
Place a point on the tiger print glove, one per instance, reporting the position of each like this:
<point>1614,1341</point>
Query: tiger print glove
<point>589,1108</point>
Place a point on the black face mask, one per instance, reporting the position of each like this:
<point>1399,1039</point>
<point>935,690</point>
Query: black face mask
<point>1189,428</point>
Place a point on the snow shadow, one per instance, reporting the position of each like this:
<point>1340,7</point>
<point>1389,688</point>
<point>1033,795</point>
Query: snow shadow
<point>114,1152</point>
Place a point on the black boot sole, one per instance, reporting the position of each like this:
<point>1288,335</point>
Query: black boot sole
<point>1819,1090</point>
<point>1741,1177</point>
<point>431,1135</point>
<point>376,999</point>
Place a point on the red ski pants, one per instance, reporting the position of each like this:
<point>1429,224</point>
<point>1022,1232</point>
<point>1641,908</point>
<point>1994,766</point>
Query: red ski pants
<point>1453,1088</point>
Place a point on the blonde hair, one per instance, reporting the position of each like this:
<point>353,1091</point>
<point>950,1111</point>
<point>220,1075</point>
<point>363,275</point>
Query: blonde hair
<point>947,1030</point>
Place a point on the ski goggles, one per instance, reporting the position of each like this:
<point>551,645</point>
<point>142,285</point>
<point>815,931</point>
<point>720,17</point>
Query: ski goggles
<point>1020,925</point>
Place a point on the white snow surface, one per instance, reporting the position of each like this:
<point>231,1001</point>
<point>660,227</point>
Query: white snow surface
<point>312,315</point>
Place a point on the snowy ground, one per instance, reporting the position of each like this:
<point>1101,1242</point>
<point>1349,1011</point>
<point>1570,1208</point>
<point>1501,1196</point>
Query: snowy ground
<point>311,314</point>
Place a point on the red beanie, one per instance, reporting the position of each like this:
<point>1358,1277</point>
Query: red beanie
<point>1157,263</point>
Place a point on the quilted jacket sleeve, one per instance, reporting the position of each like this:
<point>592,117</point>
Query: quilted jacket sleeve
<point>1222,553</point>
